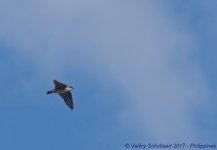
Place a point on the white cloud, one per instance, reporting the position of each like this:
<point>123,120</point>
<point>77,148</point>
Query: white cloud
<point>139,43</point>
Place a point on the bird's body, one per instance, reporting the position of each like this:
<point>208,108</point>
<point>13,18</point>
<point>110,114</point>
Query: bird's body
<point>60,91</point>
<point>64,91</point>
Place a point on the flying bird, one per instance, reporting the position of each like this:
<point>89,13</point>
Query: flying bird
<point>64,91</point>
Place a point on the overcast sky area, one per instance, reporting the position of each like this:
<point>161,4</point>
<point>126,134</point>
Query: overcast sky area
<point>144,71</point>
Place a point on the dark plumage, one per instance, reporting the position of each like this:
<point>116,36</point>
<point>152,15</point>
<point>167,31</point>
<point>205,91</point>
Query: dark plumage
<point>64,91</point>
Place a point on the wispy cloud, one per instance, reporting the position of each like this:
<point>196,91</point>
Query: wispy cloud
<point>140,44</point>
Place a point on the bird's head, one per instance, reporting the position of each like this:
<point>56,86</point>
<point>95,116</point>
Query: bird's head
<point>71,88</point>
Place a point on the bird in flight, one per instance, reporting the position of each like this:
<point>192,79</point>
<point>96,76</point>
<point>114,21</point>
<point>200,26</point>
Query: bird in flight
<point>64,91</point>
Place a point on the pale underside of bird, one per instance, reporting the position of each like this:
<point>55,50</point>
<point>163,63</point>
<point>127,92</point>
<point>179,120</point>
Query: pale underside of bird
<point>64,91</point>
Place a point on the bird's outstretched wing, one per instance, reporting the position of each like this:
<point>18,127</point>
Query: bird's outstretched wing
<point>58,85</point>
<point>68,99</point>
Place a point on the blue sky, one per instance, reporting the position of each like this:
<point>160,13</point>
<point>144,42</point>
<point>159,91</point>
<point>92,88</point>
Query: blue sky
<point>144,71</point>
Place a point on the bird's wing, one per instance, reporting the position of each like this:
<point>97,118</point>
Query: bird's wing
<point>68,99</point>
<point>58,85</point>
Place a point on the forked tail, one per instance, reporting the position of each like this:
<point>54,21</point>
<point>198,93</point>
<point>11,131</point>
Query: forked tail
<point>49,92</point>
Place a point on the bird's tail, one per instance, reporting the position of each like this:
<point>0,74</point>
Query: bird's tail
<point>49,92</point>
